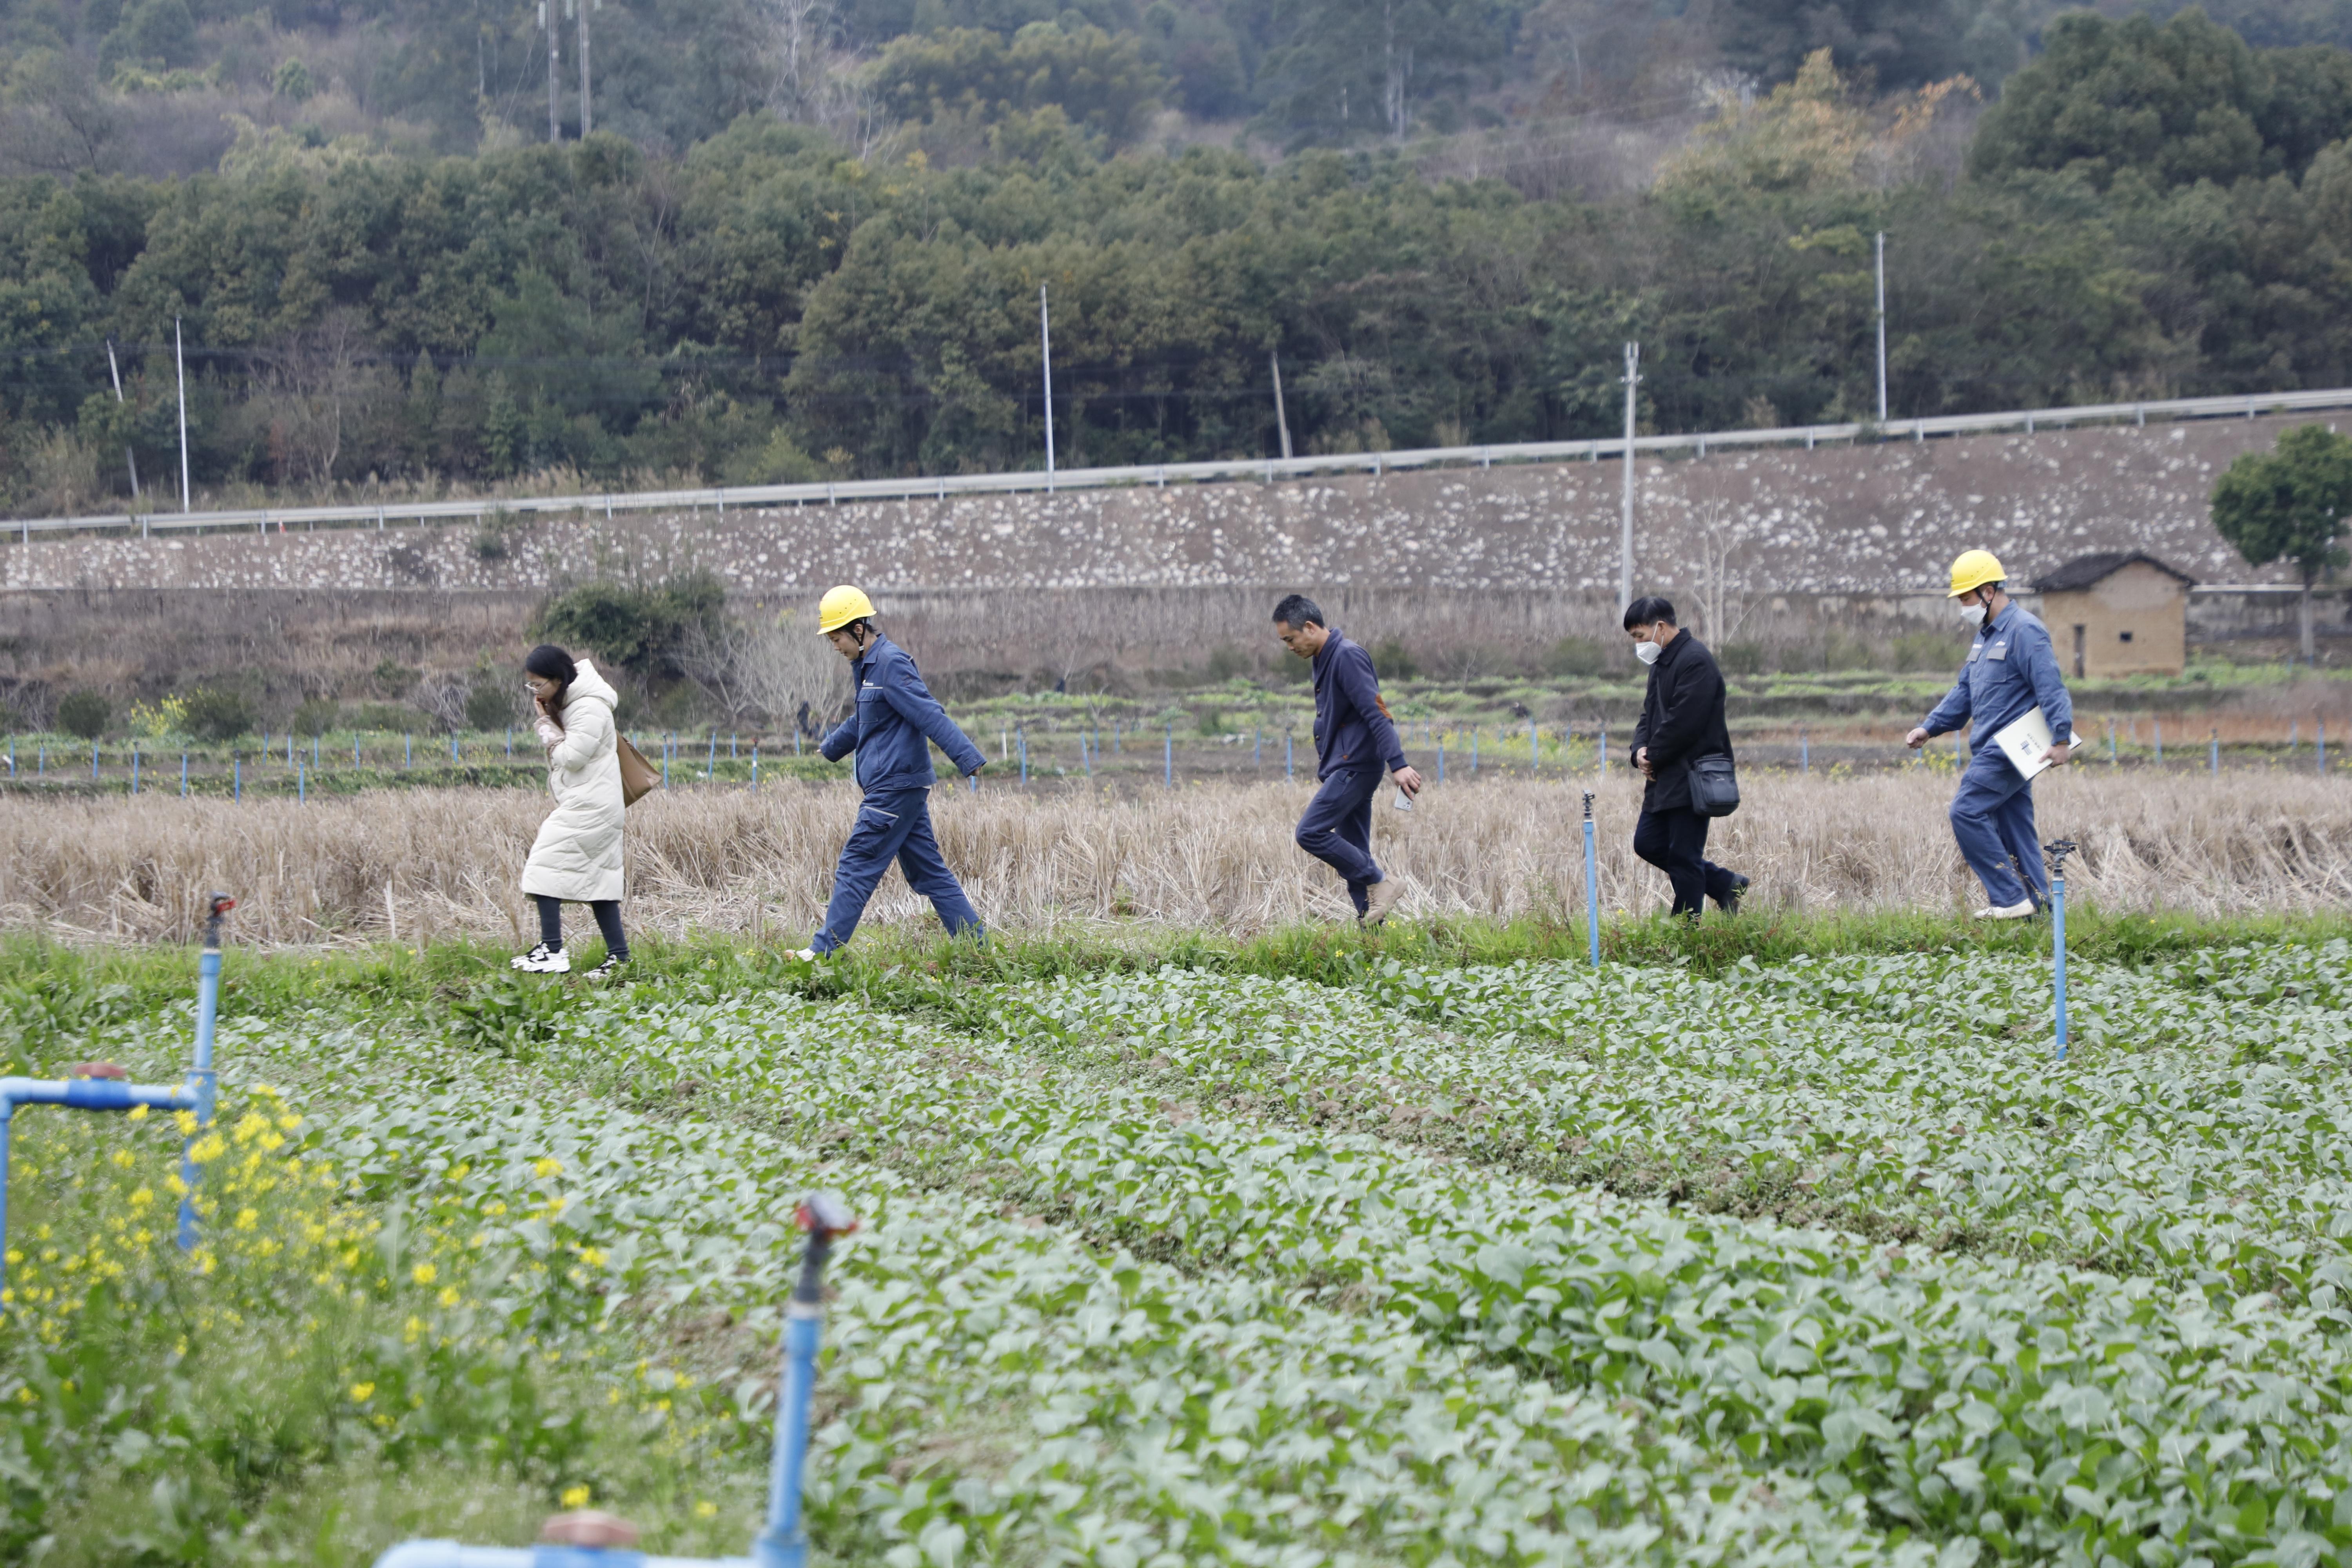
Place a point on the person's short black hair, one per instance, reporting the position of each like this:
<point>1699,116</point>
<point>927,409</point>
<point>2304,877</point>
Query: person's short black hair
<point>1648,611</point>
<point>1299,610</point>
<point>550,662</point>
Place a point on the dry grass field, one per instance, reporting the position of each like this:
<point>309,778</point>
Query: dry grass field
<point>412,864</point>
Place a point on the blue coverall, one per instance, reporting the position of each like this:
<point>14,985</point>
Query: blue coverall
<point>2011,668</point>
<point>896,721</point>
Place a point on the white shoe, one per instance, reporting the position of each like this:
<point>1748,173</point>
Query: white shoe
<point>540,960</point>
<point>808,955</point>
<point>2020,911</point>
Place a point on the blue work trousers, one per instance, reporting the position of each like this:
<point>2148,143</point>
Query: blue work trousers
<point>1338,828</point>
<point>892,826</point>
<point>1992,819</point>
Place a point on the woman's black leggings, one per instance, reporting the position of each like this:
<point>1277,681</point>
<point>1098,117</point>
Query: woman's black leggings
<point>608,920</point>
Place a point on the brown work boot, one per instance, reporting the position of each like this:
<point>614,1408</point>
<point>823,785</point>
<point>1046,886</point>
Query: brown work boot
<point>1380,898</point>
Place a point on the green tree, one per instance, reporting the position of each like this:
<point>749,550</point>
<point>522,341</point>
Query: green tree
<point>1901,43</point>
<point>2290,504</point>
<point>1101,82</point>
<point>2185,102</point>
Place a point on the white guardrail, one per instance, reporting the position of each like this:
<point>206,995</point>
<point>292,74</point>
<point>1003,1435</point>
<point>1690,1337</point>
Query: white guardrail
<point>832,493</point>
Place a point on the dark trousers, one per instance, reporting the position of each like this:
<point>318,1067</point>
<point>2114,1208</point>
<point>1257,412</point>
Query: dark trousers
<point>896,826</point>
<point>1338,828</point>
<point>1674,841</point>
<point>608,920</point>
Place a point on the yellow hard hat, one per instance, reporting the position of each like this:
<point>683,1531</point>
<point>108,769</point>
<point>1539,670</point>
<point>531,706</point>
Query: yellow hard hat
<point>844,604</point>
<point>1974,569</point>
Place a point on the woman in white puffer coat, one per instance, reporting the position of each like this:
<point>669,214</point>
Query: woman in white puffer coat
<point>577,855</point>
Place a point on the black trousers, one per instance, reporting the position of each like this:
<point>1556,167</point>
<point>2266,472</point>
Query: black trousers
<point>1674,841</point>
<point>608,920</point>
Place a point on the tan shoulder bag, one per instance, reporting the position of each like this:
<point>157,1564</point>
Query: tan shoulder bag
<point>639,778</point>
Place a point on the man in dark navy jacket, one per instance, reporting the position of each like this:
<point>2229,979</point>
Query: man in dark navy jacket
<point>1355,744</point>
<point>892,730</point>
<point>1682,718</point>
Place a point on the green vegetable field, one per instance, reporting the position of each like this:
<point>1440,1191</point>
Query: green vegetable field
<point>1397,1260</point>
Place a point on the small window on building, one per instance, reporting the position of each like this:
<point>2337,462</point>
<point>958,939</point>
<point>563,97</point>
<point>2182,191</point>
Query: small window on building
<point>2124,636</point>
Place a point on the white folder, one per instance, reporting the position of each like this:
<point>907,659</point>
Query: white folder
<point>2025,741</point>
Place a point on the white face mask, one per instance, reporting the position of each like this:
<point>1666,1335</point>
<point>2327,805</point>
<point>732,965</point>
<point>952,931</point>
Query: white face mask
<point>1973,613</point>
<point>1647,652</point>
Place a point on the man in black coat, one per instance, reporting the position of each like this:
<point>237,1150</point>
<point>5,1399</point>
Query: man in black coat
<point>1682,718</point>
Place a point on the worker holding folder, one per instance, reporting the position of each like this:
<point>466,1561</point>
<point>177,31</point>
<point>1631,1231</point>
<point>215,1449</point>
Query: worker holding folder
<point>2011,690</point>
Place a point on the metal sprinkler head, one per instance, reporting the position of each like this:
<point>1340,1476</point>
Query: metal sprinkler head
<point>2058,849</point>
<point>1588,805</point>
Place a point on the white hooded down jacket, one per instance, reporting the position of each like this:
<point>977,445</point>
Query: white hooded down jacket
<point>577,855</point>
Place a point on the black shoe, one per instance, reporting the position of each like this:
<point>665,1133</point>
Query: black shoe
<point>1729,903</point>
<point>610,969</point>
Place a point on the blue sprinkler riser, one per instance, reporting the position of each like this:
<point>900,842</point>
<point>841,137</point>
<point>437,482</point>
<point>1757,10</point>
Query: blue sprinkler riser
<point>2058,956</point>
<point>449,1554</point>
<point>1592,891</point>
<point>196,1093</point>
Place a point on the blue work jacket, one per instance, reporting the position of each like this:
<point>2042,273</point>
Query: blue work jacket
<point>1351,723</point>
<point>2012,667</point>
<point>896,719</point>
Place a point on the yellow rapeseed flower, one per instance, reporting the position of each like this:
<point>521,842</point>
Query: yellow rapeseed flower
<point>575,1497</point>
<point>547,1165</point>
<point>138,1113</point>
<point>363,1392</point>
<point>449,1297</point>
<point>247,1218</point>
<point>142,1197</point>
<point>425,1273</point>
<point>705,1509</point>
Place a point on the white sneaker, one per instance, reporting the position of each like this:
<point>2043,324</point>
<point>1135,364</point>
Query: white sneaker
<point>2020,911</point>
<point>808,955</point>
<point>541,960</point>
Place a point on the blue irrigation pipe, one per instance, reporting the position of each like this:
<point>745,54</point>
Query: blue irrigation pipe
<point>453,745</point>
<point>731,738</point>
<point>1441,761</point>
<point>710,762</point>
<point>2159,740</point>
<point>134,767</point>
<point>2216,743</point>
<point>783,1540</point>
<point>1474,751</point>
<point>1804,752</point>
<point>1086,754</point>
<point>302,783</point>
<point>93,761</point>
<point>1591,882</point>
<point>1535,756</point>
<point>2115,760</point>
<point>1600,758</point>
<point>1287,741</point>
<point>236,776</point>
<point>755,767</point>
<point>1257,751</point>
<point>1024,754</point>
<point>355,748</point>
<point>407,750</point>
<point>104,1087</point>
<point>314,754</point>
<point>183,775</point>
<point>2058,853</point>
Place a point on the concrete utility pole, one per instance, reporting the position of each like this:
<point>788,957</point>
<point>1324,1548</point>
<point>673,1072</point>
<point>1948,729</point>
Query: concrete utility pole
<point>128,454</point>
<point>1046,341</point>
<point>1281,419</point>
<point>1625,544</point>
<point>587,120</point>
<point>180,364</point>
<point>1882,327</point>
<point>547,20</point>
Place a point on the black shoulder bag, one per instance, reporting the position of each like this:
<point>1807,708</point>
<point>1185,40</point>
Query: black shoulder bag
<point>1714,785</point>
